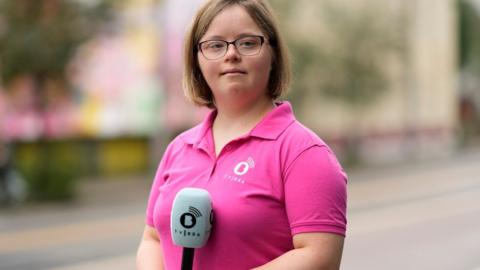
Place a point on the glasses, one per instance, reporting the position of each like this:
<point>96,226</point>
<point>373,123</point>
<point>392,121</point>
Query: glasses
<point>247,46</point>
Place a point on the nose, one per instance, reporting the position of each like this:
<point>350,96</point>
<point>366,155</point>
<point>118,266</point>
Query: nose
<point>232,52</point>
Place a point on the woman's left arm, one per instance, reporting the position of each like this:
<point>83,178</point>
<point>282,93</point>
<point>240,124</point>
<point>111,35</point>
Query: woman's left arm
<point>315,202</point>
<point>312,251</point>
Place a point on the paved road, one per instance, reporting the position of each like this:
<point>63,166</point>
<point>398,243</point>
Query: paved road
<point>418,216</point>
<point>425,216</point>
<point>99,231</point>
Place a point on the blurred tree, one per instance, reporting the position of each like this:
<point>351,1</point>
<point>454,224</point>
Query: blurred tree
<point>348,63</point>
<point>469,63</point>
<point>37,40</point>
<point>469,47</point>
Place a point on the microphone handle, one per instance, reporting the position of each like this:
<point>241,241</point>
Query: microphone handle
<point>187,258</point>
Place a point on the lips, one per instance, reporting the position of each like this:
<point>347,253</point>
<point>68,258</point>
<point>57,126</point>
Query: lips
<point>233,71</point>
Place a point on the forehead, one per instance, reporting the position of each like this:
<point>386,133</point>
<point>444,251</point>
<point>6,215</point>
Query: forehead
<point>231,22</point>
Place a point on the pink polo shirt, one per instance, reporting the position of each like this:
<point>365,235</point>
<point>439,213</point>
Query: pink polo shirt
<point>278,180</point>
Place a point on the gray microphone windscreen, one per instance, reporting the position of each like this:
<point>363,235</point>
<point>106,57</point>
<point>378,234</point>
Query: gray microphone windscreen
<point>191,217</point>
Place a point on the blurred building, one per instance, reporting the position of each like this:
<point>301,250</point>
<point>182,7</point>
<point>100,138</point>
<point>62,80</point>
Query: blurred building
<point>179,113</point>
<point>116,75</point>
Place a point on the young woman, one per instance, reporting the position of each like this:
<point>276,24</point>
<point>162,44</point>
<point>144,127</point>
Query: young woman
<point>278,192</point>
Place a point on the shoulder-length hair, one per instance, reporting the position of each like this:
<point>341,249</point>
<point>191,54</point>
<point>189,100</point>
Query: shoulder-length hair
<point>195,87</point>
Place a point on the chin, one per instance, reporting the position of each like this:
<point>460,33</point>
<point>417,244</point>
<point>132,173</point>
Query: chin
<point>236,88</point>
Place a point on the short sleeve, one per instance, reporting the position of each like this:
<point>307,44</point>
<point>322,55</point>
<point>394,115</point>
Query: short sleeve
<point>316,192</point>
<point>158,181</point>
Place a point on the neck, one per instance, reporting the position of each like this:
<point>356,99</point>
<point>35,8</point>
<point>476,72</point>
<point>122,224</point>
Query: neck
<point>241,120</point>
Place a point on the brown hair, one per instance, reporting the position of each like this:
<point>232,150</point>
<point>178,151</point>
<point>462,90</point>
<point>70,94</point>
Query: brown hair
<point>195,86</point>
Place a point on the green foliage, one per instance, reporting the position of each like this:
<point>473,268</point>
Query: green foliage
<point>50,168</point>
<point>40,37</point>
<point>469,35</point>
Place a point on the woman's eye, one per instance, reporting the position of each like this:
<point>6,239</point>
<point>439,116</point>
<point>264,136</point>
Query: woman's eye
<point>215,45</point>
<point>248,43</point>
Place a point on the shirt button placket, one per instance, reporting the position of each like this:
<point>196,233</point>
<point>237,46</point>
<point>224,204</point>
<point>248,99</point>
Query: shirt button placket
<point>212,170</point>
<point>214,165</point>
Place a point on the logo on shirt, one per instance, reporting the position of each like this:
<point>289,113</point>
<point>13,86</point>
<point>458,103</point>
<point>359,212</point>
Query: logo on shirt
<point>240,170</point>
<point>243,167</point>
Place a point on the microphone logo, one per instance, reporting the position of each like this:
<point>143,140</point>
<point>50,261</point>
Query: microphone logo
<point>189,219</point>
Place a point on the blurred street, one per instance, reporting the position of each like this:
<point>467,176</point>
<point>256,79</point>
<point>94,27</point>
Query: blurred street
<point>417,216</point>
<point>101,230</point>
<point>423,216</point>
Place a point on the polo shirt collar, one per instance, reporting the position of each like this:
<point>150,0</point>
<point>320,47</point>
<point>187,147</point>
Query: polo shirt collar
<point>270,127</point>
<point>275,122</point>
<point>198,134</point>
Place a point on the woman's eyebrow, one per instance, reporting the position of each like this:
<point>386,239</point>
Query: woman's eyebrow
<point>213,38</point>
<point>218,37</point>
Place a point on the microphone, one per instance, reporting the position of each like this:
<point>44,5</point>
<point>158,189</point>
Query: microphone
<point>191,222</point>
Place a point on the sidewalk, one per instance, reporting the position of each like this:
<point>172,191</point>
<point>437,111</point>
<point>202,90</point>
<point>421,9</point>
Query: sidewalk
<point>92,193</point>
<point>121,262</point>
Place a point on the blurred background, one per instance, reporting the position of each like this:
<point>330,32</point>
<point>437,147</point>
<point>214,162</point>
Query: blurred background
<point>90,94</point>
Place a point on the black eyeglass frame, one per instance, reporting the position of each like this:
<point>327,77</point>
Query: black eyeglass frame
<point>262,41</point>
